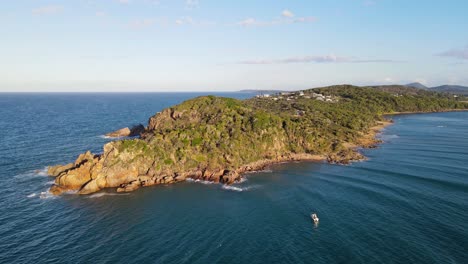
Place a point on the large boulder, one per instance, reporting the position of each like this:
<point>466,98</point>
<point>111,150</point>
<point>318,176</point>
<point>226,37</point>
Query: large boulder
<point>55,171</point>
<point>129,187</point>
<point>127,132</point>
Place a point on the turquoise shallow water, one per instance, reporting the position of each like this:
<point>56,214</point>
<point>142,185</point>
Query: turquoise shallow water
<point>407,204</point>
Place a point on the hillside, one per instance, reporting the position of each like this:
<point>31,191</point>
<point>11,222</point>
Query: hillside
<point>217,139</point>
<point>417,85</point>
<point>455,89</point>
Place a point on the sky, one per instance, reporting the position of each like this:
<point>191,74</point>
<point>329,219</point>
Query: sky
<point>213,45</point>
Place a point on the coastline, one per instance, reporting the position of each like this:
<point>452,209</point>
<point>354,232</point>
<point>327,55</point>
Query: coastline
<point>367,140</point>
<point>425,112</point>
<point>165,154</point>
<point>349,154</point>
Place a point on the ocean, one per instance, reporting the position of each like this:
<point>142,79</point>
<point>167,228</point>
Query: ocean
<point>408,203</point>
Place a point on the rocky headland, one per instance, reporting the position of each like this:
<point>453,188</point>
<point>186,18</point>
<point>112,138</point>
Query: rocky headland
<point>218,139</point>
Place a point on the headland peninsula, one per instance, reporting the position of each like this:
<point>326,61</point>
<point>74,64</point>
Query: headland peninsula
<point>218,139</point>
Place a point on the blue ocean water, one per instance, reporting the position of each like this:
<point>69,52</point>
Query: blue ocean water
<point>407,204</point>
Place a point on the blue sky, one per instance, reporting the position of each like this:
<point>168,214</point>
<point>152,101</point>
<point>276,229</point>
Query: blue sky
<point>212,45</point>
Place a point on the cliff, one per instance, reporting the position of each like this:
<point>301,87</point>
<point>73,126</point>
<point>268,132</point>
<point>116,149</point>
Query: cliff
<point>217,139</point>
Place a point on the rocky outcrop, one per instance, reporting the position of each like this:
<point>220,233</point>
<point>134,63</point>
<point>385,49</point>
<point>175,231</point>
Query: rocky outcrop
<point>207,138</point>
<point>127,132</point>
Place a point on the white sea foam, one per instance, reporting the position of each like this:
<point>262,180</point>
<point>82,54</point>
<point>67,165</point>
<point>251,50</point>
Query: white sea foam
<point>34,173</point>
<point>238,188</point>
<point>441,126</point>
<point>102,194</point>
<point>233,188</point>
<point>46,195</point>
<point>199,181</point>
<point>41,172</point>
<point>242,180</point>
<point>31,195</point>
<point>264,171</point>
<point>116,138</point>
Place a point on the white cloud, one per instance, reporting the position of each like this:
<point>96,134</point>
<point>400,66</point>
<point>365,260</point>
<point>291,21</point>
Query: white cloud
<point>460,53</point>
<point>287,13</point>
<point>248,22</point>
<point>287,17</point>
<point>304,19</point>
<point>101,14</point>
<point>47,10</point>
<point>154,2</point>
<point>191,3</point>
<point>189,21</point>
<point>331,58</point>
<point>185,21</point>
<point>421,81</point>
<point>141,23</point>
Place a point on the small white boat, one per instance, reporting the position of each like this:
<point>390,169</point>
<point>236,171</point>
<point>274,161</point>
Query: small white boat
<point>314,218</point>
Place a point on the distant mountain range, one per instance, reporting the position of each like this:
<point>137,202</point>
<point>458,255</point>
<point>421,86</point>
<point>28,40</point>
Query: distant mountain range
<point>455,89</point>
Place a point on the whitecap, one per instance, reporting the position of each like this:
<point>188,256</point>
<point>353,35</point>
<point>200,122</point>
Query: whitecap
<point>31,195</point>
<point>441,126</point>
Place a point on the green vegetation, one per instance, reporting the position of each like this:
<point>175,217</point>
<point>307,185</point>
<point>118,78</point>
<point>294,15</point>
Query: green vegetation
<point>216,139</point>
<point>212,133</point>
